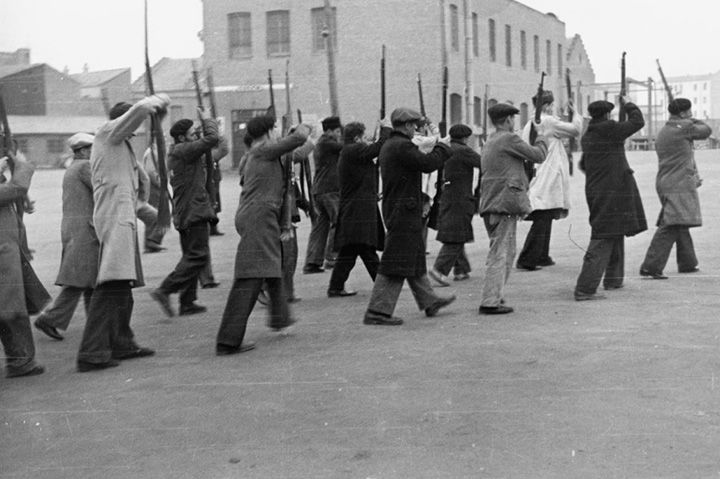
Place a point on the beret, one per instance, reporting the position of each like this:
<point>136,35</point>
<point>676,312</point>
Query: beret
<point>500,111</point>
<point>180,127</point>
<point>331,123</point>
<point>119,109</point>
<point>80,140</point>
<point>404,115</point>
<point>600,108</point>
<point>546,98</point>
<point>458,132</point>
<point>679,105</point>
<point>259,125</point>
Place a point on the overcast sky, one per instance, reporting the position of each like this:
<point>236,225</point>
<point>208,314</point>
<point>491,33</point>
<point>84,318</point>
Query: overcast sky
<point>109,33</point>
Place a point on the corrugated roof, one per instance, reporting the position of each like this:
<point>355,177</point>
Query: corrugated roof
<point>97,78</point>
<point>169,74</point>
<point>29,125</point>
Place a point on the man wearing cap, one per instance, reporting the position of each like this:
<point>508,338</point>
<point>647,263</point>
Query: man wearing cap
<point>80,246</point>
<point>326,196</point>
<point>108,337</point>
<point>677,183</point>
<point>401,166</point>
<point>192,212</point>
<point>457,207</point>
<point>612,195</point>
<point>504,199</point>
<point>550,187</point>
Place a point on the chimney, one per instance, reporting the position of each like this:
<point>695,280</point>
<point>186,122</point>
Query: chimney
<point>86,68</point>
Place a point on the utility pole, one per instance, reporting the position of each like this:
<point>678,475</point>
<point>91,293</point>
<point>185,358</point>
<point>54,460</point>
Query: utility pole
<point>329,49</point>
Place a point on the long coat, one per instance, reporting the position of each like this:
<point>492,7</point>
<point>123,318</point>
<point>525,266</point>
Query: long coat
<point>80,246</point>
<point>257,220</point>
<point>401,166</point>
<point>678,178</point>
<point>115,185</point>
<point>457,203</point>
<point>610,189</point>
<point>359,220</point>
<point>13,283</point>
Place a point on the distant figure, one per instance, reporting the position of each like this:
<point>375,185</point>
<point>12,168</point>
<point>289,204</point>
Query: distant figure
<point>613,198</point>
<point>677,183</point>
<point>79,263</point>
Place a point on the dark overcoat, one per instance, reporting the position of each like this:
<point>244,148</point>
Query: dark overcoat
<point>359,220</point>
<point>259,252</point>
<point>80,246</point>
<point>457,203</point>
<point>401,166</point>
<point>610,189</point>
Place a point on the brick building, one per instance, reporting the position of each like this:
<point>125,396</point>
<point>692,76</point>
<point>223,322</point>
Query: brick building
<point>494,50</point>
<point>104,86</point>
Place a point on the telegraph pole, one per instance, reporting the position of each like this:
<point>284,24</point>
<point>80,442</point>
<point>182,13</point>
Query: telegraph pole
<point>329,49</point>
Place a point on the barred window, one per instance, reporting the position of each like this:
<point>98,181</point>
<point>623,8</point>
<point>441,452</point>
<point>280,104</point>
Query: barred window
<point>278,33</point>
<point>239,35</point>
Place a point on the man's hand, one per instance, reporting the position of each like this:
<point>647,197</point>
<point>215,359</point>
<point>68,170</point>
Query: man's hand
<point>204,114</point>
<point>29,205</point>
<point>287,234</point>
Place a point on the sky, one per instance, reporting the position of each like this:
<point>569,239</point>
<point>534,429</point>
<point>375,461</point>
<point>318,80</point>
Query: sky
<point>107,34</point>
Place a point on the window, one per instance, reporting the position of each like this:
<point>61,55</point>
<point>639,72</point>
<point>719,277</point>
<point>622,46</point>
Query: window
<point>508,45</point>
<point>523,50</point>
<point>559,59</point>
<point>477,113</point>
<point>476,36</point>
<point>455,109</point>
<point>536,53</point>
<point>548,57</point>
<point>491,39</point>
<point>278,33</point>
<point>239,35</point>
<point>454,28</point>
<point>55,145</point>
<point>319,23</point>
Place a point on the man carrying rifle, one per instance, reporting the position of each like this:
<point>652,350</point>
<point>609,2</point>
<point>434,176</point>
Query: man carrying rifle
<point>612,195</point>
<point>192,211</point>
<point>326,196</point>
<point>677,184</point>
<point>504,199</point>
<point>107,336</point>
<point>401,166</point>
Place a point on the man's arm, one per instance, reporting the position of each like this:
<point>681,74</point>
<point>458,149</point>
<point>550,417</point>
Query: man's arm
<point>125,125</point>
<point>19,184</point>
<point>287,144</point>
<point>696,129</point>
<point>210,139</point>
<point>633,124</point>
<point>517,148</point>
<point>414,159</point>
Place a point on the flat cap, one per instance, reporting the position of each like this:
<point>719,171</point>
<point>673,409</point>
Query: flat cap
<point>600,108</point>
<point>679,105</point>
<point>404,115</point>
<point>546,98</point>
<point>181,127</point>
<point>331,123</point>
<point>500,111</point>
<point>458,132</point>
<point>80,140</point>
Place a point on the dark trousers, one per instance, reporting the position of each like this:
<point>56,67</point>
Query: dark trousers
<point>347,256</point>
<point>289,263</point>
<point>322,234</point>
<point>17,341</point>
<point>452,255</point>
<point>194,242</point>
<point>659,251</point>
<point>107,328</point>
<point>60,312</point>
<point>603,257</point>
<point>536,249</point>
<point>386,292</point>
<point>240,303</point>
<point>154,233</point>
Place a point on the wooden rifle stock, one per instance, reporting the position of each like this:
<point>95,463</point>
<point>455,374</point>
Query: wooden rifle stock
<point>622,116</point>
<point>530,167</point>
<point>158,138</point>
<point>286,213</point>
<point>271,109</point>
<point>420,96</point>
<point>443,113</point>
<point>668,90</point>
<point>382,84</point>
<point>209,163</point>
<point>571,142</point>
<point>434,213</point>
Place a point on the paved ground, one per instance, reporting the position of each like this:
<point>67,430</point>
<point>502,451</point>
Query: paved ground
<point>620,388</point>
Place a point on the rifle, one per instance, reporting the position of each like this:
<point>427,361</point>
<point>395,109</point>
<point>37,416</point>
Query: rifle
<point>420,96</point>
<point>211,92</point>
<point>271,109</point>
<point>306,174</point>
<point>286,213</point>
<point>622,116</point>
<point>382,84</point>
<point>209,163</point>
<point>665,83</point>
<point>529,167</point>
<point>434,213</point>
<point>105,101</point>
<point>571,142</point>
<point>156,134</point>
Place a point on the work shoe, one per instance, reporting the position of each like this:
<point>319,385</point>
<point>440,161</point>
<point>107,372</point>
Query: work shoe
<point>501,309</point>
<point>588,297</point>
<point>212,284</point>
<point>281,326</point>
<point>461,277</point>
<point>226,350</point>
<point>433,309</point>
<point>85,367</point>
<point>696,269</point>
<point>380,319</point>
<point>340,293</point>
<point>312,269</point>
<point>164,301</point>
<point>192,308</point>
<point>652,274</point>
<point>438,277</point>
<point>528,267</point>
<point>34,371</point>
<point>138,352</point>
<point>51,331</point>
<point>547,262</point>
